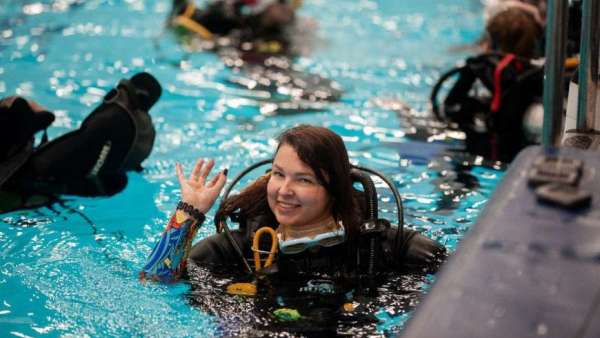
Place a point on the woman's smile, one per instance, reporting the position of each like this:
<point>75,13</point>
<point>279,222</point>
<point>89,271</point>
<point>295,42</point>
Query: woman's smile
<point>287,206</point>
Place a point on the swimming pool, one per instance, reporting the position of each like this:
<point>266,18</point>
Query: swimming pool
<point>72,268</point>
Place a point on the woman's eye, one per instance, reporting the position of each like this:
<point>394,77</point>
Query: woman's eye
<point>277,173</point>
<point>306,180</point>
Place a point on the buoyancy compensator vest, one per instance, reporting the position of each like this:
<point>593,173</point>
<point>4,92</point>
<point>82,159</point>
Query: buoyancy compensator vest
<point>488,102</point>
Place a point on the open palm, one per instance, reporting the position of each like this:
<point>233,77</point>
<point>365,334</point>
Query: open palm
<point>196,190</point>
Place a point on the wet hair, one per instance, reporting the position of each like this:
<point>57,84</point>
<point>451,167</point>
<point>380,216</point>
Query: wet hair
<point>514,31</point>
<point>325,153</point>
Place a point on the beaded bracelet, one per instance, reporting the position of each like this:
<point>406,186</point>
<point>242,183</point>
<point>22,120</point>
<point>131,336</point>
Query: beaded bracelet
<point>197,214</point>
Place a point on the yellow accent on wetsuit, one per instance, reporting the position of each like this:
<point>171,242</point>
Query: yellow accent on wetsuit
<point>249,289</point>
<point>270,47</point>
<point>185,20</point>
<point>572,62</point>
<point>189,11</point>
<point>193,27</point>
<point>242,289</point>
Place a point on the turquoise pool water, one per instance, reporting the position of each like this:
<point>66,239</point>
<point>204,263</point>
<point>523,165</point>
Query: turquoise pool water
<point>71,269</point>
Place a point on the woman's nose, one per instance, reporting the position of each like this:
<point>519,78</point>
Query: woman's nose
<point>286,187</point>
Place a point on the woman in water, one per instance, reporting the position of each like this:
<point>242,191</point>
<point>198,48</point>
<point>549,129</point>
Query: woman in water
<point>308,198</point>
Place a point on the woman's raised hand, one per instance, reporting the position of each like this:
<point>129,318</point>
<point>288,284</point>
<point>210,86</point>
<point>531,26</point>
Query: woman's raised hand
<point>196,190</point>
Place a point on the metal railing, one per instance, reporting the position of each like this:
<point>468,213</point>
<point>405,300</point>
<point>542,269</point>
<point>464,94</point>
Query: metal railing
<point>556,36</point>
<point>556,41</point>
<point>588,66</point>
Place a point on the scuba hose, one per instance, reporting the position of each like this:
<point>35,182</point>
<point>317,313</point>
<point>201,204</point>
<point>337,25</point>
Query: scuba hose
<point>250,289</point>
<point>478,60</point>
<point>242,174</point>
<point>257,251</point>
<point>372,212</point>
<point>435,107</point>
<point>222,225</point>
<point>397,197</point>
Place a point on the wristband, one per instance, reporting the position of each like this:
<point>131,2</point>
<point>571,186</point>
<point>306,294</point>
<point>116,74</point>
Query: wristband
<point>197,214</point>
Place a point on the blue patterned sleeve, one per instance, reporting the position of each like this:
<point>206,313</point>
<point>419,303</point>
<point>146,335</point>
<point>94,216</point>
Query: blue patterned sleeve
<point>168,259</point>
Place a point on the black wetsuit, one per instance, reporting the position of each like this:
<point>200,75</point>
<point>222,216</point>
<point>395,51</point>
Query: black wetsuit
<point>408,252</point>
<point>91,160</point>
<point>319,284</point>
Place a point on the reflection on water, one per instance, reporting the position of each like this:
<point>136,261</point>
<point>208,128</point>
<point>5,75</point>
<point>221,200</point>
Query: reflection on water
<point>381,311</point>
<point>75,264</point>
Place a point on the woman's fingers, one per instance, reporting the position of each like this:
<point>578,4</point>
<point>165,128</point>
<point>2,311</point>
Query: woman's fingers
<point>179,172</point>
<point>197,169</point>
<point>216,178</point>
<point>199,174</point>
<point>205,170</point>
<point>222,178</point>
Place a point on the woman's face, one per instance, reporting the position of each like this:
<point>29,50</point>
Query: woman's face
<point>294,194</point>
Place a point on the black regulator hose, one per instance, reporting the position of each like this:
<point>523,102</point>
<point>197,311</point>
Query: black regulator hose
<point>435,107</point>
<point>370,192</point>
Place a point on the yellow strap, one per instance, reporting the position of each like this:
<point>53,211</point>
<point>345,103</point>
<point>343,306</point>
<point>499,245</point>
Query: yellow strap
<point>256,248</point>
<point>189,10</point>
<point>571,62</point>
<point>193,26</point>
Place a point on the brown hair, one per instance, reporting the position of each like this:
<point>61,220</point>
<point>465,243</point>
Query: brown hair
<point>514,31</point>
<point>325,153</point>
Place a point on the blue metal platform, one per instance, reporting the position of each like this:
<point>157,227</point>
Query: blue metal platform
<point>526,268</point>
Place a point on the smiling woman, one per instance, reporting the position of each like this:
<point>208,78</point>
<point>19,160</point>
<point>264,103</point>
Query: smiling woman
<point>75,264</point>
<point>320,220</point>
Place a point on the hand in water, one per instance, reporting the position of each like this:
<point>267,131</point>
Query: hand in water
<point>196,190</point>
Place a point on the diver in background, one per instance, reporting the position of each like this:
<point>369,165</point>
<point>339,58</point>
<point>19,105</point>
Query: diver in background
<point>326,242</point>
<point>261,23</point>
<point>90,161</point>
<point>496,99</point>
<point>259,39</point>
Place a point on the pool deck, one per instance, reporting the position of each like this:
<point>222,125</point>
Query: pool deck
<point>526,268</point>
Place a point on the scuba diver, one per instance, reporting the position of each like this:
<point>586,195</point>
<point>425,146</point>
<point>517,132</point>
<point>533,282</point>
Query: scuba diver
<point>258,39</point>
<point>90,161</point>
<point>326,239</point>
<point>496,99</point>
<point>259,25</point>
